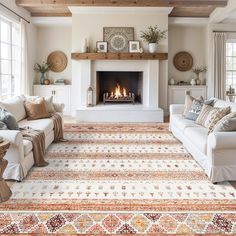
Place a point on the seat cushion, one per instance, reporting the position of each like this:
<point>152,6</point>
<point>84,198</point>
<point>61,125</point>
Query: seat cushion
<point>46,125</point>
<point>15,106</point>
<point>179,121</point>
<point>28,146</point>
<point>198,136</point>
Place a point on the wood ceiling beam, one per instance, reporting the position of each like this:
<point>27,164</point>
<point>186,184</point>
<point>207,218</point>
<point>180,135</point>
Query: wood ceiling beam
<point>125,3</point>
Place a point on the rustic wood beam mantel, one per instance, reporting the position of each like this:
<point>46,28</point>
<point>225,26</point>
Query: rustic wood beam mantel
<point>119,56</point>
<point>122,3</point>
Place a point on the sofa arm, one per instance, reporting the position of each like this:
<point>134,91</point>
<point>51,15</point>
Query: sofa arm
<point>59,107</point>
<point>176,109</point>
<point>13,136</point>
<point>222,140</point>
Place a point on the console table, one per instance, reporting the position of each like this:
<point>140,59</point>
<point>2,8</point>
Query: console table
<point>5,191</point>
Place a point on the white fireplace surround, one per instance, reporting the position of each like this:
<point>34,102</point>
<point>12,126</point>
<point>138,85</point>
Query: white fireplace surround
<point>84,75</point>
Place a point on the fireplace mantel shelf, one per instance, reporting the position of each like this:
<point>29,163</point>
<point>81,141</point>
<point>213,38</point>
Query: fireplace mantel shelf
<point>119,56</point>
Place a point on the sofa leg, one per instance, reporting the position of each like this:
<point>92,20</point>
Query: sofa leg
<point>214,182</point>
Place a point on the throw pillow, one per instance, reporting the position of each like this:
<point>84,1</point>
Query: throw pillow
<point>206,109</point>
<point>227,123</point>
<point>47,100</point>
<point>36,110</point>
<point>8,119</point>
<point>194,110</point>
<point>188,103</point>
<point>3,126</point>
<point>214,116</point>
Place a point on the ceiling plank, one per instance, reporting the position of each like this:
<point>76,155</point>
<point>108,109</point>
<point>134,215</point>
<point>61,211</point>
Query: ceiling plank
<point>125,3</point>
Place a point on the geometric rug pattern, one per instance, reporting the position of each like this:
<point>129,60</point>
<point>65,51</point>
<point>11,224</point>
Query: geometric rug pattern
<point>119,179</point>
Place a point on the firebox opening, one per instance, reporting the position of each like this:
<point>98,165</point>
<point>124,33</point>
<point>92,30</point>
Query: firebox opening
<point>119,87</point>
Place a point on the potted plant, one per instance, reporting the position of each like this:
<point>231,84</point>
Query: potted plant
<point>45,67</point>
<point>153,35</point>
<point>197,70</point>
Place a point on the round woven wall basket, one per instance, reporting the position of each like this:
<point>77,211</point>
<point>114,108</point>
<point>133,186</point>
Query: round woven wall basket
<point>183,61</point>
<point>57,60</point>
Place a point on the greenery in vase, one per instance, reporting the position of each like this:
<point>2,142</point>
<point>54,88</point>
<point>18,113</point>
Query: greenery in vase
<point>42,68</point>
<point>153,34</point>
<point>199,69</point>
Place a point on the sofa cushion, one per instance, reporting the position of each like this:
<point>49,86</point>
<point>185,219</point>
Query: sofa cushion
<point>36,110</point>
<point>15,106</point>
<point>28,146</point>
<point>198,136</point>
<point>8,119</point>
<point>182,123</point>
<point>188,103</point>
<point>46,125</point>
<point>226,124</point>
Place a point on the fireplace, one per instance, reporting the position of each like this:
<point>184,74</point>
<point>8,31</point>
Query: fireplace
<point>119,87</point>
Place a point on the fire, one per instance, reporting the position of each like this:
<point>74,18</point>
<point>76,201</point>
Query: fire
<point>118,93</point>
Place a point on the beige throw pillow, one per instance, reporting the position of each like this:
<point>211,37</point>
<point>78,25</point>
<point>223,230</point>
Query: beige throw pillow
<point>188,103</point>
<point>214,116</point>
<point>206,109</point>
<point>36,110</point>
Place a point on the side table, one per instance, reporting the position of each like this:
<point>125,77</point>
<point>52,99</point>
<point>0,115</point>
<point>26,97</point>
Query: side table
<point>5,192</point>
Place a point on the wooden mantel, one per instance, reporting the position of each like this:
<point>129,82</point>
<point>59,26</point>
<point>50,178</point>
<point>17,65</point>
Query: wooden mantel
<point>119,56</point>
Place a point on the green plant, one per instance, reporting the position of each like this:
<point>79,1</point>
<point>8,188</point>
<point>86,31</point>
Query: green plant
<point>42,68</point>
<point>153,34</point>
<point>199,69</point>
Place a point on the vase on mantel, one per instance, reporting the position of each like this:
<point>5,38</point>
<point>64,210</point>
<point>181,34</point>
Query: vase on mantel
<point>43,78</point>
<point>152,47</point>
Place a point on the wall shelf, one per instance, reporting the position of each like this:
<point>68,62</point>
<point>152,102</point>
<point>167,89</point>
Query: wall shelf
<point>119,56</point>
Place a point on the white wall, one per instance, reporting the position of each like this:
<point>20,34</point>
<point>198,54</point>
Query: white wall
<point>53,38</point>
<point>191,39</point>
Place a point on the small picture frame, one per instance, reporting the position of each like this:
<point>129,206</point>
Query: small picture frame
<point>101,46</point>
<point>134,46</point>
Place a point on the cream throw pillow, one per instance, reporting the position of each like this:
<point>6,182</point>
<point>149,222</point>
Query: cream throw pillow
<point>206,109</point>
<point>188,103</point>
<point>214,116</point>
<point>36,110</point>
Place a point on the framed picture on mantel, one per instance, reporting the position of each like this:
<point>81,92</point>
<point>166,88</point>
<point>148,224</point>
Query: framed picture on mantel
<point>101,46</point>
<point>118,38</point>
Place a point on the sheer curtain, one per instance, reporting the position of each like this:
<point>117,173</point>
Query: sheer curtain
<point>24,83</point>
<point>219,65</point>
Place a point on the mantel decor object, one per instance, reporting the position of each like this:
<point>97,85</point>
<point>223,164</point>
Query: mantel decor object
<point>183,61</point>
<point>118,38</point>
<point>43,69</point>
<point>57,61</point>
<point>153,35</point>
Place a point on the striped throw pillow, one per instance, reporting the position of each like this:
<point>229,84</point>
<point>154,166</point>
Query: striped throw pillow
<point>206,109</point>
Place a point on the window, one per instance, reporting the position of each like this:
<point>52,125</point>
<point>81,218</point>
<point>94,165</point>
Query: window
<point>231,64</point>
<point>10,58</point>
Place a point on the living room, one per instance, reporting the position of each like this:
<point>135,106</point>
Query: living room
<point>117,117</point>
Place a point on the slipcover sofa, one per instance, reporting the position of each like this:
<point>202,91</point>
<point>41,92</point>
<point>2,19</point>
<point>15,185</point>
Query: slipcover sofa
<point>20,154</point>
<point>216,152</point>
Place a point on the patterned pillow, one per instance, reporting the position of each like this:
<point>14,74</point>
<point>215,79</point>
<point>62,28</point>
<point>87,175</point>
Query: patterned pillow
<point>8,119</point>
<point>214,116</point>
<point>227,123</point>
<point>206,109</point>
<point>194,110</point>
<point>188,103</point>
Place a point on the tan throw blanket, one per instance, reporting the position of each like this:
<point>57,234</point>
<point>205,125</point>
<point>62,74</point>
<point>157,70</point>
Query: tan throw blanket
<point>58,127</point>
<point>37,138</point>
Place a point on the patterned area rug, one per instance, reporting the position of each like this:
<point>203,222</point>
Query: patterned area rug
<point>119,179</point>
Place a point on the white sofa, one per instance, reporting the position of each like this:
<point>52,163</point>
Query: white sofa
<point>20,154</point>
<point>216,152</point>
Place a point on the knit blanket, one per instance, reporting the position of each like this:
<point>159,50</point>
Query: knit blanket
<point>37,138</point>
<point>58,127</point>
